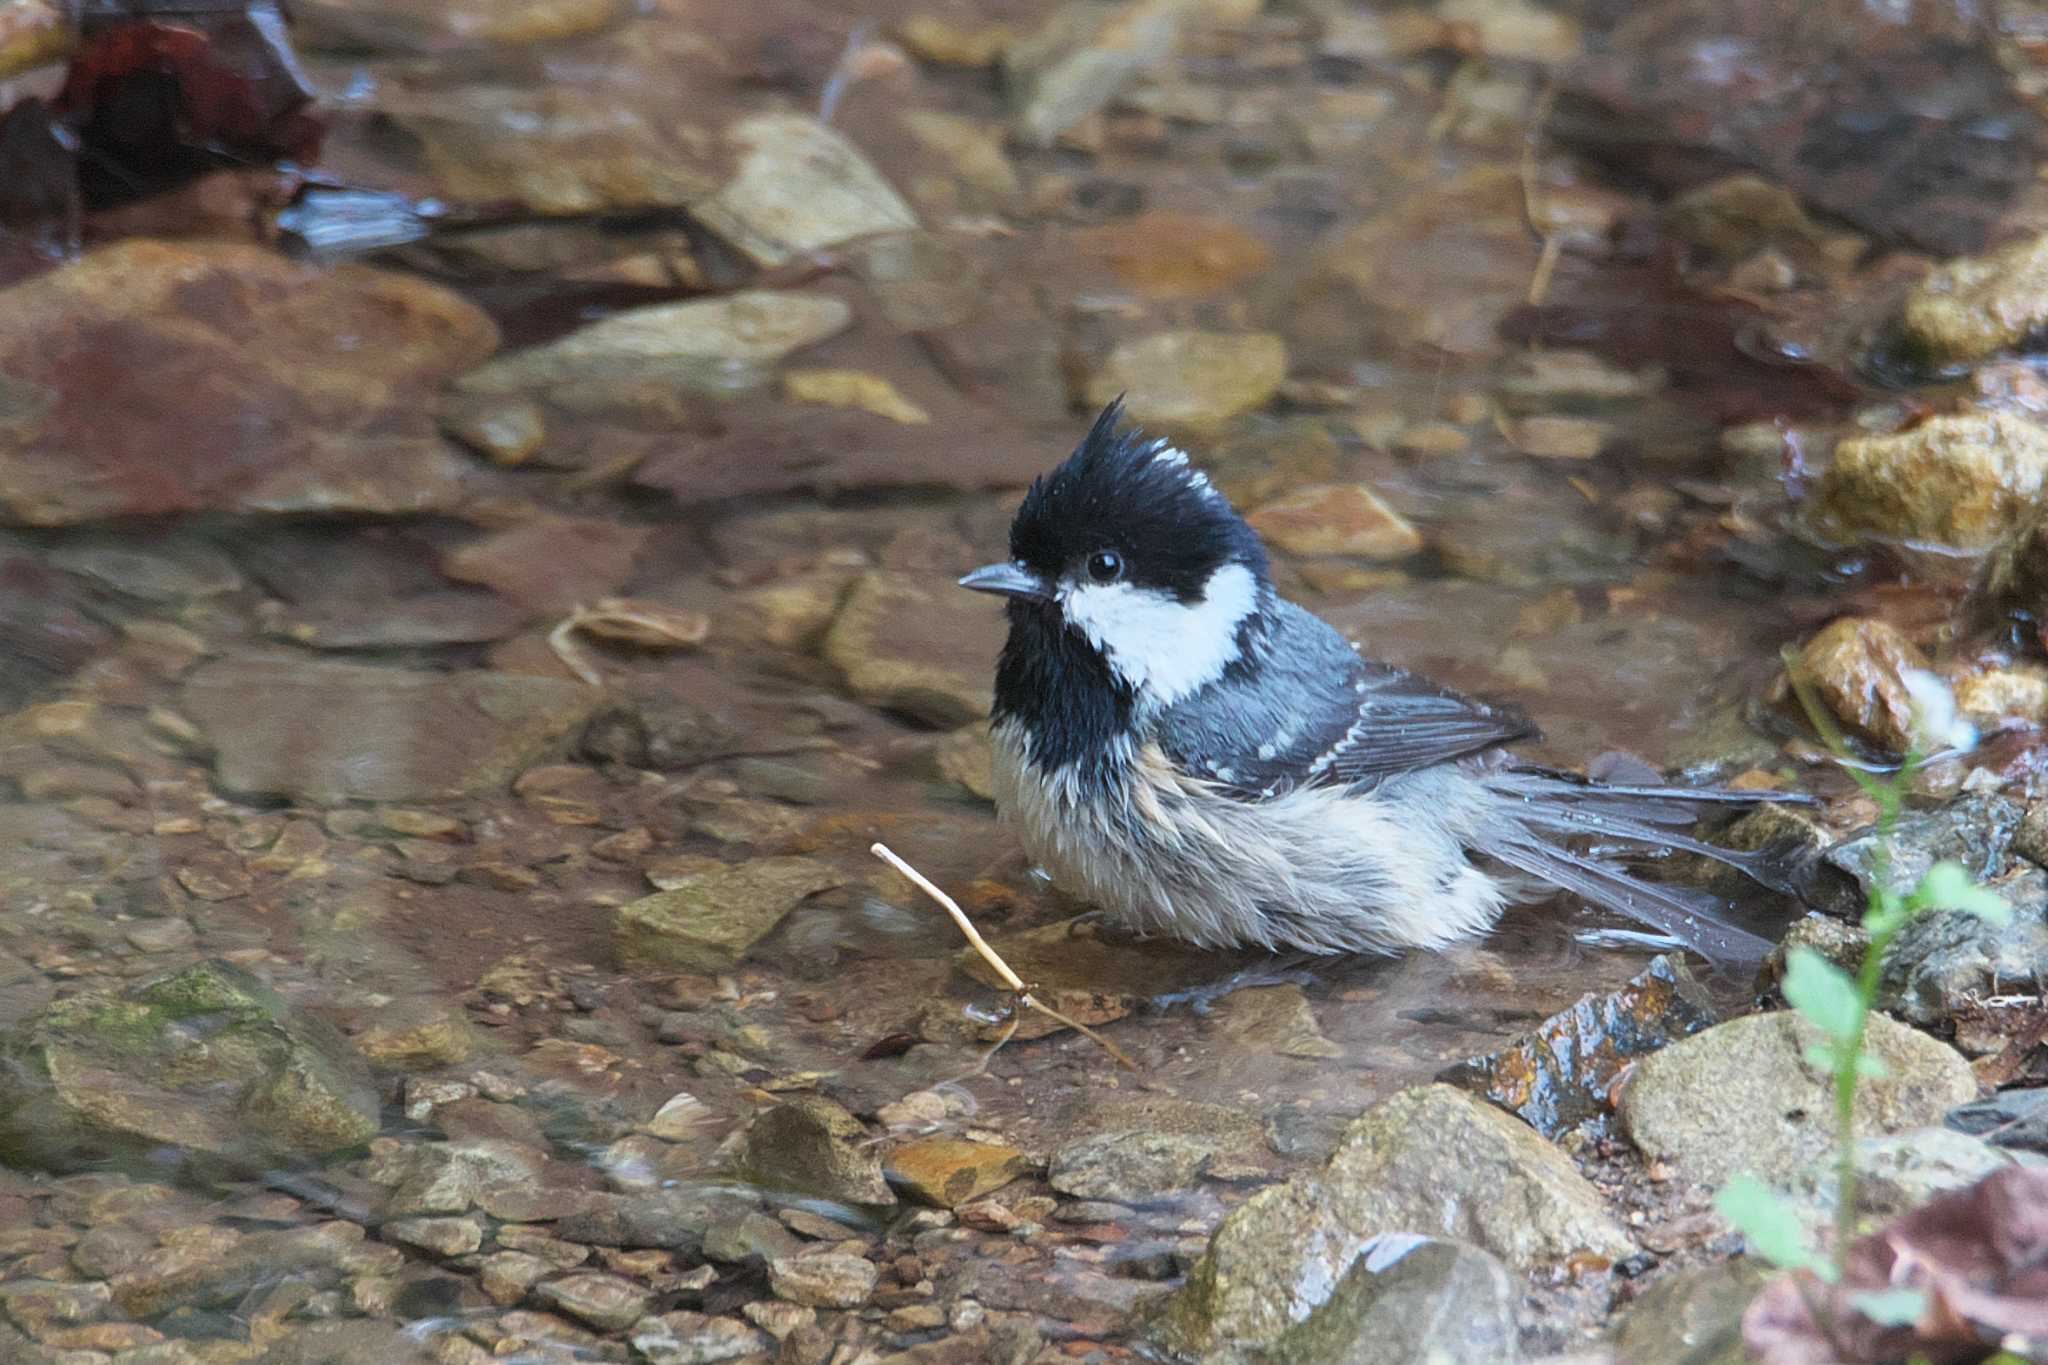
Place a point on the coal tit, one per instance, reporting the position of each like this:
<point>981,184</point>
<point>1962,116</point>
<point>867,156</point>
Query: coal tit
<point>1201,758</point>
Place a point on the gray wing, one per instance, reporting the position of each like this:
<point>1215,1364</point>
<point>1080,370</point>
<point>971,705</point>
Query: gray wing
<point>1317,714</point>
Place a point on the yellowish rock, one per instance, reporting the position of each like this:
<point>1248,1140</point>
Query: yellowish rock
<point>852,389</point>
<point>1857,667</point>
<point>1961,480</point>
<point>1192,378</point>
<point>1998,695</point>
<point>1560,438</point>
<point>1336,519</point>
<point>945,43</point>
<point>1975,307</point>
<point>950,1171</point>
<point>1175,255</point>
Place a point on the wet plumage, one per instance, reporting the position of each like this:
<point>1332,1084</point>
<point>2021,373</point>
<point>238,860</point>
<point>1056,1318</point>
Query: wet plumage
<point>1205,759</point>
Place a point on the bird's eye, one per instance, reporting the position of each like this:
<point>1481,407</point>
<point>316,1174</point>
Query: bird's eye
<point>1105,566</point>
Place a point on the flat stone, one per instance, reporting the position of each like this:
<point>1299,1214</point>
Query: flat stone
<point>823,1279</point>
<point>696,1339</point>
<point>929,653</point>
<point>1743,1097</point>
<point>1130,1167</point>
<point>39,1307</point>
<point>1408,1299</point>
<point>800,187</point>
<point>1274,1019</point>
<point>556,147</point>
<point>551,564</point>
<point>715,344</point>
<point>1961,480</point>
<point>709,920</point>
<point>810,1144</point>
<point>506,1276</point>
<point>333,732</point>
<point>606,1302</point>
<point>1974,307</point>
<point>1562,1073</point>
<point>1191,378</point>
<point>1336,519</point>
<point>161,568</point>
<point>254,385</point>
<point>947,1172</point>
<point>442,1236</point>
<point>420,26</point>
<point>95,1076</point>
<point>1175,255</point>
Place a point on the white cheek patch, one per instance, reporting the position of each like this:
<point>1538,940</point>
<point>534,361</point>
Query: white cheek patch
<point>1161,646</point>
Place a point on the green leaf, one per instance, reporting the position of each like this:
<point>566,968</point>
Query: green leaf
<point>1767,1221</point>
<point>1891,1307</point>
<point>1823,992</point>
<point>1949,886</point>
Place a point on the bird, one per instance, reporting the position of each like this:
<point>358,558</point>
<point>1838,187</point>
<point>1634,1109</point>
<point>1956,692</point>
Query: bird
<point>1204,759</point>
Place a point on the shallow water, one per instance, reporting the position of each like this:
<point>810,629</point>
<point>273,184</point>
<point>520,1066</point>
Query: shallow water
<point>1384,213</point>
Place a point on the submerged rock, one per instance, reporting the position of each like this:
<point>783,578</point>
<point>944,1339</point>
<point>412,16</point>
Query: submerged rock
<point>249,383</point>
<point>208,1060</point>
<point>905,647</point>
<point>1086,53</point>
<point>716,344</point>
<point>947,1172</point>
<point>1962,481</point>
<point>1336,519</point>
<point>800,187</point>
<point>1407,1300</point>
<point>333,732</point>
<point>1430,1160</point>
<point>810,1144</point>
<point>708,921</point>
<point>1745,1097</point>
<point>1972,308</point>
<point>1191,378</point>
<point>1563,1072</point>
<point>1130,1167</point>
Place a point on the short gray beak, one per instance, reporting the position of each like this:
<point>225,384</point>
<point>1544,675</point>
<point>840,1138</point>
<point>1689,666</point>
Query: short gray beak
<point>1011,580</point>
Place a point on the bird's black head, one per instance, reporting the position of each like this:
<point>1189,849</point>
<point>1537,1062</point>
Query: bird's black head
<point>1132,582</point>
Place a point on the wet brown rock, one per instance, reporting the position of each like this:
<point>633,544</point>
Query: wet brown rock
<point>1743,1096</point>
<point>1973,308</point>
<point>331,732</point>
<point>556,147</point>
<point>40,1307</point>
<point>506,1276</point>
<point>964,757</point>
<point>100,1075</point>
<point>1175,255</point>
<point>1086,53</point>
<point>1563,1072</point>
<point>1191,378</point>
<point>975,150</point>
<point>947,43</point>
<point>929,653</point>
<point>809,1143</point>
<point>1560,438</point>
<point>701,343</point>
<point>823,1279</point>
<point>1336,519</point>
<point>1962,480</point>
<point>799,187</point>
<point>503,431</point>
<point>947,1172</point>
<point>1999,696</point>
<point>251,383</point>
<point>708,921</point>
<point>1857,667</point>
<point>551,564</point>
<point>606,1302</point>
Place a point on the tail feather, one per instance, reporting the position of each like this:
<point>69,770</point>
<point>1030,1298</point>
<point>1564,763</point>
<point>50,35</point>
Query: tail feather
<point>1691,917</point>
<point>1553,808</point>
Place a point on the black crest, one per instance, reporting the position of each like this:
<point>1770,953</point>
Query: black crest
<point>1120,491</point>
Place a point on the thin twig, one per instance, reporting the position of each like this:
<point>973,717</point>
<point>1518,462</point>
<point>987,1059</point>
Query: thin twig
<point>995,961</point>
